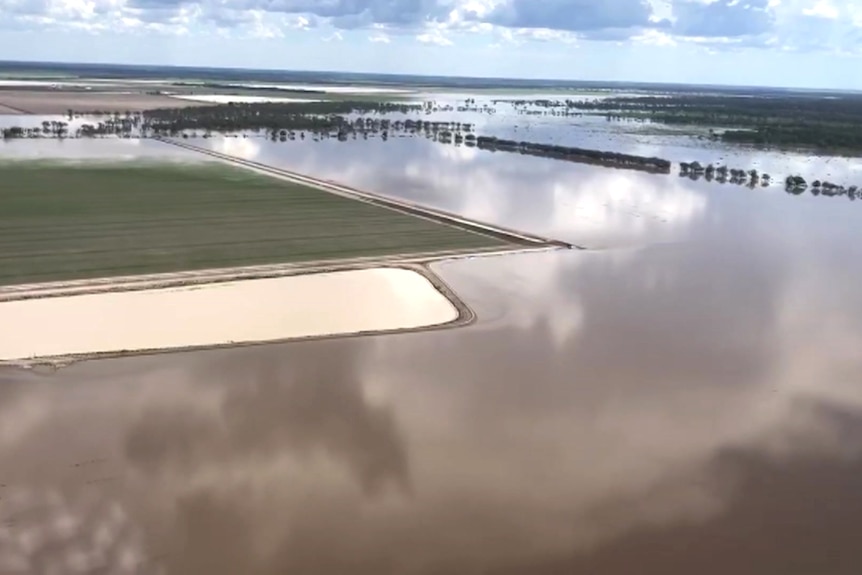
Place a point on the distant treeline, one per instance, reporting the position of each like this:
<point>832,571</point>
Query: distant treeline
<point>814,136</point>
<point>829,123</point>
<point>233,117</point>
<point>280,121</point>
<point>598,157</point>
<point>346,119</point>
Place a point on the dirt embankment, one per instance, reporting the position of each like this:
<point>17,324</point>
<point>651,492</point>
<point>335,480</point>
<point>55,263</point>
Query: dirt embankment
<point>393,299</point>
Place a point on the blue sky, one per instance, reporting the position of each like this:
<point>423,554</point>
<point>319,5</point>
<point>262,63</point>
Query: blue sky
<point>803,43</point>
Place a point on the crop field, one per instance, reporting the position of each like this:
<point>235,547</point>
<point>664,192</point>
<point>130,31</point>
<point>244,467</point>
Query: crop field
<point>74,221</point>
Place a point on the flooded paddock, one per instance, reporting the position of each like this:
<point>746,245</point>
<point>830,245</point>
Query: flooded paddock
<point>610,411</point>
<point>227,98</point>
<point>680,397</point>
<point>311,305</point>
<point>113,149</point>
<point>589,206</point>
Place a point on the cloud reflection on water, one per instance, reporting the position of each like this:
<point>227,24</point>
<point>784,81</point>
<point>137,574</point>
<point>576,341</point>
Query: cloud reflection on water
<point>587,205</point>
<point>601,397</point>
<point>687,405</point>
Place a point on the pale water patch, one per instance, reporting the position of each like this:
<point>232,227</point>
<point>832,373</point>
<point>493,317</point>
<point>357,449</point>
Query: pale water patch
<point>226,99</point>
<point>344,302</point>
<point>329,89</point>
<point>99,149</point>
<point>57,84</point>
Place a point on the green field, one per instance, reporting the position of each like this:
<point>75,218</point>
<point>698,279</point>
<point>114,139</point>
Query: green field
<point>71,221</point>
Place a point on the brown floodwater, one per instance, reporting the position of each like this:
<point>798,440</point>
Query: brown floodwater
<point>683,398</point>
<point>673,409</point>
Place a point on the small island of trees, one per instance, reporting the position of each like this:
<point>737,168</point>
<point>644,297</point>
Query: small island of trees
<point>723,174</point>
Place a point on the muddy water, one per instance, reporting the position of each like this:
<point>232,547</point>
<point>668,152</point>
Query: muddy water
<point>320,304</point>
<point>678,408</point>
<point>683,400</point>
<point>590,206</point>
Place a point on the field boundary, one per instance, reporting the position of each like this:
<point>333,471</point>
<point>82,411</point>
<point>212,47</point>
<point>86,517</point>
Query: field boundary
<point>403,206</point>
<point>466,316</point>
<point>164,280</point>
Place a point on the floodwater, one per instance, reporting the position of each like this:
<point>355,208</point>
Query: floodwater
<point>589,206</point>
<point>673,409</point>
<point>113,149</point>
<point>326,88</point>
<point>320,304</point>
<point>681,398</point>
<point>225,99</point>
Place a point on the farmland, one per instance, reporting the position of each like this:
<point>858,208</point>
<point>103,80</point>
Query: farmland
<point>64,221</point>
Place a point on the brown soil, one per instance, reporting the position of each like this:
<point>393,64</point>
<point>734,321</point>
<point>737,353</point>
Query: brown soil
<point>59,102</point>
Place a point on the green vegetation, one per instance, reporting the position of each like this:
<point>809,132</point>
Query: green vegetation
<point>312,116</point>
<point>780,120</point>
<point>278,120</point>
<point>69,221</point>
<point>572,154</point>
<point>723,174</point>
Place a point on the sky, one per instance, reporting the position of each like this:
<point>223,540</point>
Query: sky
<point>793,43</point>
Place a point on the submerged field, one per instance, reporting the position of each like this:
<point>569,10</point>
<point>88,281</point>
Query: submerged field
<point>228,313</point>
<point>62,221</point>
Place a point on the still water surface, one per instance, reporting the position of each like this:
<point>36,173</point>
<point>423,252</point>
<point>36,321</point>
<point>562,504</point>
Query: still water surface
<point>683,398</point>
<point>590,206</point>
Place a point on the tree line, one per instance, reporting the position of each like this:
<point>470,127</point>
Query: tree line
<point>344,120</point>
<point>783,120</point>
<point>573,154</point>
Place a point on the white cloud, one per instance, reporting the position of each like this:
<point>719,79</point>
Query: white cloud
<point>261,28</point>
<point>434,37</point>
<point>823,9</point>
<point>547,35</point>
<point>830,26</point>
<point>301,23</point>
<point>654,38</point>
<point>379,39</point>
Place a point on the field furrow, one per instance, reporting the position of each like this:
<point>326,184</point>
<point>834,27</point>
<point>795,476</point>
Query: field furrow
<point>73,221</point>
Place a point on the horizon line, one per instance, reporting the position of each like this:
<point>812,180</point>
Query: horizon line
<point>421,76</point>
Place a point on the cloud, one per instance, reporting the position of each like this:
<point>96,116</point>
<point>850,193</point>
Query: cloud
<point>571,15</point>
<point>810,33</point>
<point>547,35</point>
<point>434,37</point>
<point>379,39</point>
<point>24,6</point>
<point>156,4</point>
<point>357,13</point>
<point>823,9</point>
<point>655,38</point>
<point>722,18</point>
<point>831,26</point>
